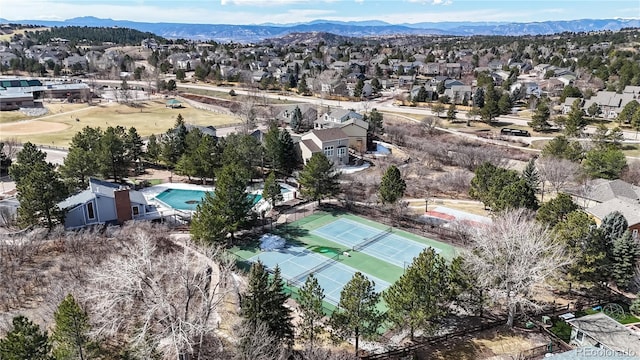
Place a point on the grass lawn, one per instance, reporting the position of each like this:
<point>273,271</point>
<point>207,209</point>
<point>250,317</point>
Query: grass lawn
<point>225,95</point>
<point>151,117</point>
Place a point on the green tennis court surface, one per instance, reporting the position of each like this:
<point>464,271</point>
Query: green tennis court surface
<point>316,243</point>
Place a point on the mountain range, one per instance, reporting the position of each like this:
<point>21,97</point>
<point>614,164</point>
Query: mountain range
<point>255,33</point>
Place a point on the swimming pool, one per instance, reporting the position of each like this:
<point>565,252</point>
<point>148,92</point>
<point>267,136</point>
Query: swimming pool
<point>182,199</point>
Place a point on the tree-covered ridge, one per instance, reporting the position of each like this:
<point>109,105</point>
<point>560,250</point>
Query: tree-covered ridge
<point>94,35</point>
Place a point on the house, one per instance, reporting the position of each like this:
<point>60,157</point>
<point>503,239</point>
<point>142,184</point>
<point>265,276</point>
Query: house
<point>308,111</point>
<point>459,94</point>
<point>351,123</point>
<point>607,196</point>
<point>106,203</point>
<point>610,102</point>
<point>332,142</point>
<point>600,331</point>
<point>205,130</point>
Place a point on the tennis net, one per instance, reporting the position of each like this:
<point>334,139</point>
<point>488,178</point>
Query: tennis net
<point>377,237</point>
<point>297,281</point>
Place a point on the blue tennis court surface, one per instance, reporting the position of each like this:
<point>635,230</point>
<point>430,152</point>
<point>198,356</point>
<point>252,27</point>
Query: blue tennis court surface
<point>295,263</point>
<point>382,244</point>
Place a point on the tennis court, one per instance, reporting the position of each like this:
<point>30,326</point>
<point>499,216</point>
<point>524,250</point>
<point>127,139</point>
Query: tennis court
<point>296,263</point>
<point>382,244</point>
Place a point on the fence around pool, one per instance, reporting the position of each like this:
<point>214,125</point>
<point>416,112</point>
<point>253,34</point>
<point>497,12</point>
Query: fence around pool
<point>297,263</point>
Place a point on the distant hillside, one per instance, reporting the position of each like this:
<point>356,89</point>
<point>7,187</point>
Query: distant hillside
<point>116,35</point>
<point>254,33</point>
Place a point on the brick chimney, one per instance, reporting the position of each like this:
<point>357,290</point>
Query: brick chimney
<point>123,205</point>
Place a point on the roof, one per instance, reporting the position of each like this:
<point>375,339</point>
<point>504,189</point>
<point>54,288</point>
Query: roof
<point>615,189</point>
<point>330,134</point>
<point>77,199</point>
<point>309,144</point>
<point>608,332</point>
<point>630,210</point>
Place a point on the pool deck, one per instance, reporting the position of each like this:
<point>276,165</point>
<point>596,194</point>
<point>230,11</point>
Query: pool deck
<point>150,194</point>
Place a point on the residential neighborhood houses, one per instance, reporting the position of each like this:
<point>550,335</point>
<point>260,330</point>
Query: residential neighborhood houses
<point>265,198</point>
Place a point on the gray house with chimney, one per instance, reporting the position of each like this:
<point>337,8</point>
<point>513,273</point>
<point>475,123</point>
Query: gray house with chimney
<point>106,203</point>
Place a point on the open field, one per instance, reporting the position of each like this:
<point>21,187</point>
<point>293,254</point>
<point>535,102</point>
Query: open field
<point>150,117</point>
<point>7,37</point>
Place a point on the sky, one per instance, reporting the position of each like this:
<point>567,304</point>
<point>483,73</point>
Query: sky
<point>295,11</point>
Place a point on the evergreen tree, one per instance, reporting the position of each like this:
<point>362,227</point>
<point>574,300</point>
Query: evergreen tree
<point>531,176</point>
<point>289,155</point>
<point>231,201</point>
<point>279,314</point>
<point>576,122</point>
<point>318,178</point>
<point>264,303</point>
<point>417,299</point>
<point>451,113</point>
<point>254,302</point>
<point>625,256</point>
<point>604,162</point>
<point>504,103</point>
<point>303,89</point>
<point>490,110</point>
<point>556,210</point>
<point>244,151</point>
<point>70,334</point>
<point>586,246</point>
<point>273,147</point>
<point>296,120</point>
<point>376,120</point>
<point>39,188</point>
<point>133,145</point>
<point>271,190</point>
<point>25,341</point>
<point>174,142</point>
<point>516,194</point>
<point>540,119</point>
<point>357,91</point>
<point>310,299</point>
<point>153,149</point>
<point>112,157</point>
<point>81,161</point>
<point>26,159</point>
<point>392,186</point>
<point>561,147</point>
<point>357,314</point>
<point>478,98</point>
<point>207,225</point>
<point>626,115</point>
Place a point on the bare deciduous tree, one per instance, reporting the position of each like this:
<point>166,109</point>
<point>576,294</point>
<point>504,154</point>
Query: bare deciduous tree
<point>557,172</point>
<point>163,294</point>
<point>632,173</point>
<point>256,343</point>
<point>511,256</point>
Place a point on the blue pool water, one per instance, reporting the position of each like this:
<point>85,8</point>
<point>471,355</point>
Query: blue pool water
<point>189,199</point>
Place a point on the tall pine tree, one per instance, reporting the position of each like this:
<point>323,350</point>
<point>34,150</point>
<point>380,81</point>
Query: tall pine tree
<point>417,299</point>
<point>24,341</point>
<point>318,178</point>
<point>39,188</point>
<point>392,186</point>
<point>71,332</point>
<point>625,256</point>
<point>264,303</point>
<point>310,299</point>
<point>357,314</point>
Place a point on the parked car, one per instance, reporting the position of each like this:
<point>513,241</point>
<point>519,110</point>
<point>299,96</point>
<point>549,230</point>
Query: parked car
<point>514,132</point>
